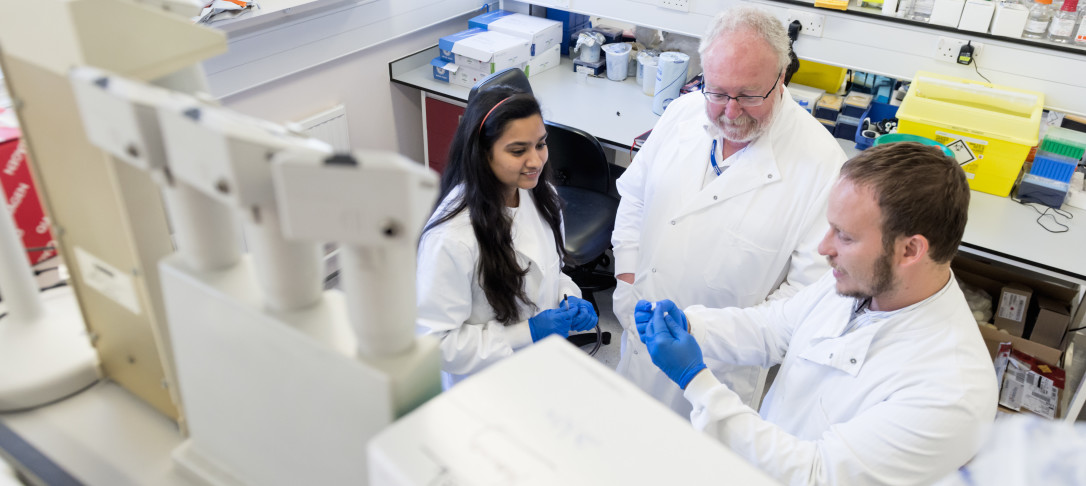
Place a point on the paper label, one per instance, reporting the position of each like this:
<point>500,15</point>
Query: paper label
<point>109,280</point>
<point>1012,306</point>
<point>966,149</point>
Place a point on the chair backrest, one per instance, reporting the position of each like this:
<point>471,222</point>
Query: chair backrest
<point>577,158</point>
<point>514,77</point>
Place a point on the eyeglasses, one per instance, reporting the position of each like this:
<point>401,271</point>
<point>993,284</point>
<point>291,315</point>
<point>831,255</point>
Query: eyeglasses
<point>722,99</point>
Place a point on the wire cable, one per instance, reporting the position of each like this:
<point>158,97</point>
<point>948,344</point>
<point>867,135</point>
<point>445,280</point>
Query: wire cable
<point>1041,214</point>
<point>977,69</point>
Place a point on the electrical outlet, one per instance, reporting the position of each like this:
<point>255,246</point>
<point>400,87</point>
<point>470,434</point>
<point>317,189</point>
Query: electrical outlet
<point>948,47</point>
<point>680,5</point>
<point>812,22</point>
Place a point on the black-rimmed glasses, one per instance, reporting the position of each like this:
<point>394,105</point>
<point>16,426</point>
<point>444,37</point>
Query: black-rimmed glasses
<point>744,100</point>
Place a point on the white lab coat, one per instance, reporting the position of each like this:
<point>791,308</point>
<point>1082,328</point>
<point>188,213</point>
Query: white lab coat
<point>732,243</point>
<point>451,302</point>
<point>904,399</point>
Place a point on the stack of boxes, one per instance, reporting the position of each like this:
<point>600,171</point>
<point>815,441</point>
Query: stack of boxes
<point>496,41</point>
<point>852,110</point>
<point>828,109</point>
<point>1049,179</point>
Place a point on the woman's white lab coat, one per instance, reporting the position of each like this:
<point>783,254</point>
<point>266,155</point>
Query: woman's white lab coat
<point>732,243</point>
<point>451,302</point>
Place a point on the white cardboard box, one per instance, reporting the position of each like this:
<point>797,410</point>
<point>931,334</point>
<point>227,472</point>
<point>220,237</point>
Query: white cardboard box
<point>542,33</point>
<point>547,60</point>
<point>467,76</point>
<point>977,15</point>
<point>491,51</point>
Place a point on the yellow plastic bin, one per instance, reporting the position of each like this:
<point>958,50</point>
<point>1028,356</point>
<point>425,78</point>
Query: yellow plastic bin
<point>990,128</point>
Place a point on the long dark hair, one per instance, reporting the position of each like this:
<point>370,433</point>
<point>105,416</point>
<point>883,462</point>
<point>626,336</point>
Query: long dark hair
<point>501,278</point>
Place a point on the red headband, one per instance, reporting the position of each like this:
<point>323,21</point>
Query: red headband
<point>491,111</point>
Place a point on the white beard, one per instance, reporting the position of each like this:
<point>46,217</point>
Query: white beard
<point>741,130</point>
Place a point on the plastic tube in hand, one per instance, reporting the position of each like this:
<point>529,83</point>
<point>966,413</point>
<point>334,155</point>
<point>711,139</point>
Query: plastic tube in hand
<point>585,317</point>
<point>673,350</point>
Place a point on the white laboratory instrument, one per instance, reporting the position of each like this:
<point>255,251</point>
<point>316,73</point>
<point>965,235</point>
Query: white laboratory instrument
<point>45,353</point>
<point>277,387</point>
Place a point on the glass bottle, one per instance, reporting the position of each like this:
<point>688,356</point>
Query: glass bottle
<point>1039,16</point>
<point>920,10</point>
<point>1062,28</point>
<point>1080,35</point>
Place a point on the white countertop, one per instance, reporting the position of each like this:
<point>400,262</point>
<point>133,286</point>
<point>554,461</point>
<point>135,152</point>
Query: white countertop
<point>613,111</point>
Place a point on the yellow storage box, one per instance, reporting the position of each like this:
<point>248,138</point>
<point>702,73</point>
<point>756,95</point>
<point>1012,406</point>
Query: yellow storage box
<point>990,128</point>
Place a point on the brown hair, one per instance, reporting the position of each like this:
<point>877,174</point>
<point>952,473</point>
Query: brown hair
<point>920,191</point>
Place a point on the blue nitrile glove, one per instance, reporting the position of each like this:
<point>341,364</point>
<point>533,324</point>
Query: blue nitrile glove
<point>551,321</point>
<point>673,350</point>
<point>642,317</point>
<point>585,317</point>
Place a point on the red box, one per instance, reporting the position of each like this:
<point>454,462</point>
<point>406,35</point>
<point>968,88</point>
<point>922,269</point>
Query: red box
<point>21,196</point>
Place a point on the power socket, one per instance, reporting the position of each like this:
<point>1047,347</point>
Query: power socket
<point>948,48</point>
<point>811,22</point>
<point>680,5</point>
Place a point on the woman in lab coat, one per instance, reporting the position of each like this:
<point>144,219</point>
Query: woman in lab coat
<point>490,258</point>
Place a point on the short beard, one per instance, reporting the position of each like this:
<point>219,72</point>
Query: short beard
<point>745,131</point>
<point>883,278</point>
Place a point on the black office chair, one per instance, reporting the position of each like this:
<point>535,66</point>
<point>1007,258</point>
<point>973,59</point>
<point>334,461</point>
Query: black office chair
<point>582,176</point>
<point>584,184</point>
<point>513,77</point>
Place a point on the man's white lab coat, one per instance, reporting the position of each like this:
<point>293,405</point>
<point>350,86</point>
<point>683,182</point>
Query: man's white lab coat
<point>451,302</point>
<point>754,228</point>
<point>904,399</point>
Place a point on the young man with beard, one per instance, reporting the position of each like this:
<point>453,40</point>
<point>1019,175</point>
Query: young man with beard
<point>725,203</point>
<point>884,376</point>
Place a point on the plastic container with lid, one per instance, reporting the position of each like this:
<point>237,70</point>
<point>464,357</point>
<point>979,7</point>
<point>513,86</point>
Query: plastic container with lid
<point>1065,142</point>
<point>990,128</point>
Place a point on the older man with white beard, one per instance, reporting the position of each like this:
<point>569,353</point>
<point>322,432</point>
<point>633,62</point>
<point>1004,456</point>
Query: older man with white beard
<point>725,203</point>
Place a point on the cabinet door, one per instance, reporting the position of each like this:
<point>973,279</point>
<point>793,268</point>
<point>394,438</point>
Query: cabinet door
<point>442,118</point>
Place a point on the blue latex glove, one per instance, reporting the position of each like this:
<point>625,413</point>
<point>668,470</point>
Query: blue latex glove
<point>551,321</point>
<point>643,315</point>
<point>585,317</point>
<point>673,350</point>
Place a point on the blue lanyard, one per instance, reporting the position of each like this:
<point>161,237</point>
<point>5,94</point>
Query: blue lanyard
<point>712,158</point>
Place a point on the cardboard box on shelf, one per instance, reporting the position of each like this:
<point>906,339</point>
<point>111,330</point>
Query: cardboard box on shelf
<point>542,33</point>
<point>491,51</point>
<point>1026,384</point>
<point>445,44</point>
<point>992,279</point>
<point>1051,319</point>
<point>1010,314</point>
<point>548,59</point>
<point>994,337</point>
